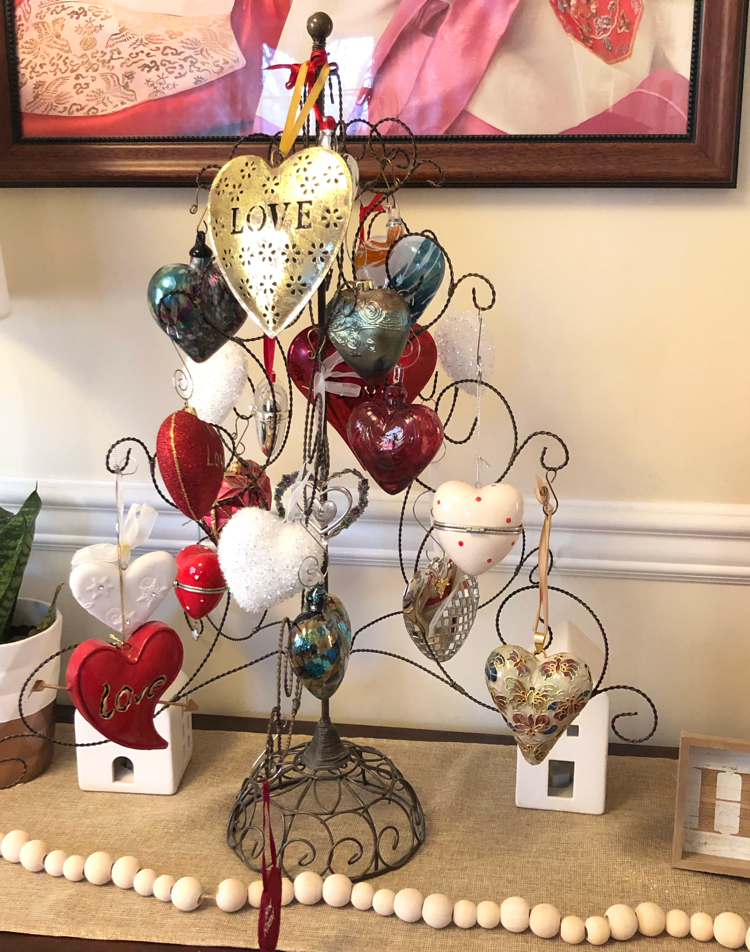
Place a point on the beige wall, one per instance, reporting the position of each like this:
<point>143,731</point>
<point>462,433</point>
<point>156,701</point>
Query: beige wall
<point>622,323</point>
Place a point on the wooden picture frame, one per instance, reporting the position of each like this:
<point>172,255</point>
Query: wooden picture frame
<point>713,790</point>
<point>706,156</point>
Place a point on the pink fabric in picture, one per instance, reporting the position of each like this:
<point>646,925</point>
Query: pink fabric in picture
<point>659,106</point>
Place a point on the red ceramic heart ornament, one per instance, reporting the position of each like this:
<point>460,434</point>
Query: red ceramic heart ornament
<point>117,689</point>
<point>200,583</point>
<point>191,462</point>
<point>393,441</point>
<point>418,361</point>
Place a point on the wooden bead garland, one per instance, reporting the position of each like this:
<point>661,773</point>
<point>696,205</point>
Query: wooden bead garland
<point>620,922</point>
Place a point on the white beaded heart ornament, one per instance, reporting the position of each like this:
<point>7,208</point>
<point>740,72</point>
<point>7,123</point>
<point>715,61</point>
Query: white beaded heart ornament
<point>538,696</point>
<point>217,383</point>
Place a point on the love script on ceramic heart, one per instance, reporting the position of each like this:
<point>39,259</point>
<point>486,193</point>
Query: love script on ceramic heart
<point>277,231</point>
<point>418,360</point>
<point>477,528</point>
<point>538,697</point>
<point>117,689</point>
<point>394,442</point>
<point>146,583</point>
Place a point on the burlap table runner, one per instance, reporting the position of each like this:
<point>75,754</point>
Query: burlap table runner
<point>479,846</point>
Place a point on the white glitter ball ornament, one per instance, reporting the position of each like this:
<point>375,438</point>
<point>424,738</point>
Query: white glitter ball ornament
<point>218,382</point>
<point>456,337</point>
<point>264,559</point>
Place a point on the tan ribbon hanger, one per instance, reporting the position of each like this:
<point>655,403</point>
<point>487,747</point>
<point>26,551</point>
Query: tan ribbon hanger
<point>548,501</point>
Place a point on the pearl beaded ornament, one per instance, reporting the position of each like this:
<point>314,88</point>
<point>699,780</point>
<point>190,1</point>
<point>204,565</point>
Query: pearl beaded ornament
<point>98,868</point>
<point>32,855</point>
<point>623,922</point>
<point>438,911</point>
<point>124,871</point>
<point>231,896</point>
<point>54,862</point>
<point>408,905</point>
<point>144,881</point>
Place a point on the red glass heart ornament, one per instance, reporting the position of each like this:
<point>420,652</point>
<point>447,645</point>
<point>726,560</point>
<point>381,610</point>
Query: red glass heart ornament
<point>607,29</point>
<point>200,583</point>
<point>245,484</point>
<point>117,689</point>
<point>393,441</point>
<point>418,361</point>
<point>191,462</point>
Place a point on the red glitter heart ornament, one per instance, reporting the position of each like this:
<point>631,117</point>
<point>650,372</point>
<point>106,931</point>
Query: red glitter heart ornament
<point>418,361</point>
<point>394,442</point>
<point>200,583</point>
<point>117,689</point>
<point>606,27</point>
<point>191,462</point>
<point>245,484</point>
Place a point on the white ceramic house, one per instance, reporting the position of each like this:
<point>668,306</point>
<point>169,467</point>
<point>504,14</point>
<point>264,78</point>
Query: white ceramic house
<point>573,778</point>
<point>114,769</point>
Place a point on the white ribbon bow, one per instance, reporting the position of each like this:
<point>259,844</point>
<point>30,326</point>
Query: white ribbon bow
<point>326,379</point>
<point>134,531</point>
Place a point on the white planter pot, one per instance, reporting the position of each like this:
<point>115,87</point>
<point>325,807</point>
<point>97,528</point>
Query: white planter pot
<point>17,660</point>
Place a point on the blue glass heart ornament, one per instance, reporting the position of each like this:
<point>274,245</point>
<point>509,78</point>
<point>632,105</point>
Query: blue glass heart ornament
<point>321,643</point>
<point>417,268</point>
<point>193,304</point>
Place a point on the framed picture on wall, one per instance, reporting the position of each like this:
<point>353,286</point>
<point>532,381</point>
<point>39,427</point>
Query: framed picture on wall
<point>498,92</point>
<point>712,819</point>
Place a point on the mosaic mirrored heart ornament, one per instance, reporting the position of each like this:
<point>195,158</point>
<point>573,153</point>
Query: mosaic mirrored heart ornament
<point>276,231</point>
<point>538,696</point>
<point>440,605</point>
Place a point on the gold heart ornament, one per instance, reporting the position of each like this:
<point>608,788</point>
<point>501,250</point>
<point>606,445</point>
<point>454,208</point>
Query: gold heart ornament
<point>276,231</point>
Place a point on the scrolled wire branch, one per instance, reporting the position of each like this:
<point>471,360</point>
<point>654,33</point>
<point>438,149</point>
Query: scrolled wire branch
<point>616,718</point>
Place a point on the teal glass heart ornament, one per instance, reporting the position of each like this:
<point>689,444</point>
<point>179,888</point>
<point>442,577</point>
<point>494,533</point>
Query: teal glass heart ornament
<point>193,304</point>
<point>417,268</point>
<point>538,695</point>
<point>370,328</point>
<point>321,643</point>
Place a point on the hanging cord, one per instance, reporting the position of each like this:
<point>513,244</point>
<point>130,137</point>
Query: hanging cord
<point>548,501</point>
<point>480,387</point>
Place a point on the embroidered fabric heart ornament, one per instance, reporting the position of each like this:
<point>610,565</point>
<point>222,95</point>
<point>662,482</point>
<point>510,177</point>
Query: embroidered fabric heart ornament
<point>277,231</point>
<point>264,559</point>
<point>199,585</point>
<point>117,689</point>
<point>418,360</point>
<point>147,581</point>
<point>193,304</point>
<point>606,27</point>
<point>538,697</point>
<point>477,528</point>
<point>394,442</point>
<point>191,462</point>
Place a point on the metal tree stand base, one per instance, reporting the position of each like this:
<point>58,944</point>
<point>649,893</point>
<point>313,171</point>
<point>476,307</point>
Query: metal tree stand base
<point>336,807</point>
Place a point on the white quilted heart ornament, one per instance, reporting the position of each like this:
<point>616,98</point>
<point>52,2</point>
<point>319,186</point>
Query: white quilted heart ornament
<point>277,231</point>
<point>477,528</point>
<point>147,581</point>
<point>538,696</point>
<point>264,559</point>
<point>218,382</point>
<point>95,579</point>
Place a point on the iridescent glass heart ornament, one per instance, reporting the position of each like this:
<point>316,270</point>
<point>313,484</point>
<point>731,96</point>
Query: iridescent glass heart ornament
<point>277,231</point>
<point>369,327</point>
<point>393,441</point>
<point>371,253</point>
<point>321,643</point>
<point>417,268</point>
<point>193,304</point>
<point>440,605</point>
<point>538,696</point>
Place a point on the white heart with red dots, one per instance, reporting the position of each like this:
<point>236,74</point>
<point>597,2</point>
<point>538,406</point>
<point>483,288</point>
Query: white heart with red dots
<point>467,511</point>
